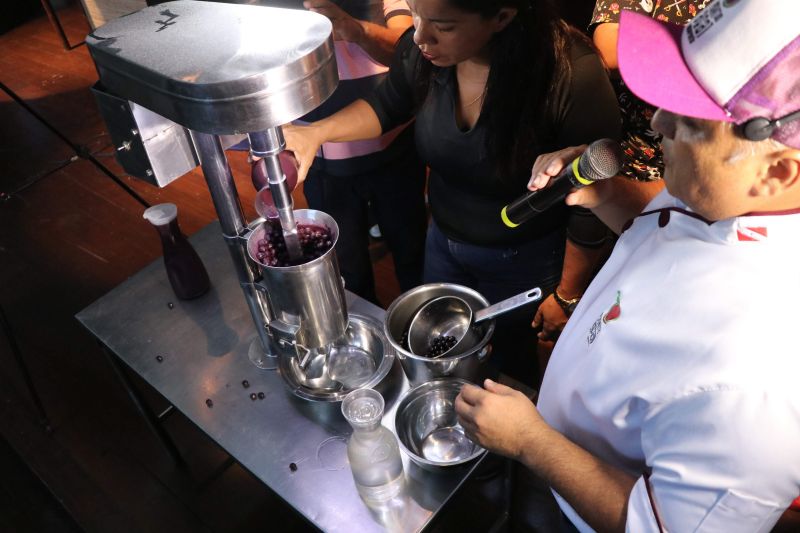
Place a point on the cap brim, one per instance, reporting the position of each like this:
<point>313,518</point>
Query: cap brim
<point>652,66</point>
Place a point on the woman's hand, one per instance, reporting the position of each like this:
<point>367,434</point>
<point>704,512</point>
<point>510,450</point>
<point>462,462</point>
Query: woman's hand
<point>498,418</point>
<point>548,166</point>
<point>551,318</point>
<point>304,142</point>
<point>345,27</point>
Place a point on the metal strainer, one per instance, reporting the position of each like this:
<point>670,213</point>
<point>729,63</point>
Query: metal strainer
<point>451,317</point>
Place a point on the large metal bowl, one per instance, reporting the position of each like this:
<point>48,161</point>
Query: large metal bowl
<point>469,364</point>
<point>427,428</point>
<point>361,358</point>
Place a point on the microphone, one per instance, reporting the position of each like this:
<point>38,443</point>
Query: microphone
<point>601,160</point>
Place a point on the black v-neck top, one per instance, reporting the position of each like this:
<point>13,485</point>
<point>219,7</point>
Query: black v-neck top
<point>465,196</point>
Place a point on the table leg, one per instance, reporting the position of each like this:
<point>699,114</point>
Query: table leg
<point>51,14</point>
<point>12,341</point>
<point>149,416</point>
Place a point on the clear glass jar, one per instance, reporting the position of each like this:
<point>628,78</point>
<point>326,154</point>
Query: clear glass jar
<point>372,448</point>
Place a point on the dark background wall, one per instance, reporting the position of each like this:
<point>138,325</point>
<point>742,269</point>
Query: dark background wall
<point>577,12</point>
<point>17,12</point>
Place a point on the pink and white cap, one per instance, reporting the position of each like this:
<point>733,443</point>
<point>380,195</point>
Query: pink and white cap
<point>736,60</point>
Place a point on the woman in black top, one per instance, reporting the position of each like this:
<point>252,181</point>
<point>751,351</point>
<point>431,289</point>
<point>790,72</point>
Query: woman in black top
<point>492,84</point>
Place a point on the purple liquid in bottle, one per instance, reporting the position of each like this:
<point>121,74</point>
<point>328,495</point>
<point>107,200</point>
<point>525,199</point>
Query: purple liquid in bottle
<point>185,270</point>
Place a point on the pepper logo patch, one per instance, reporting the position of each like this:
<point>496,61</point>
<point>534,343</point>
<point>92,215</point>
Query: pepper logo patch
<point>613,313</point>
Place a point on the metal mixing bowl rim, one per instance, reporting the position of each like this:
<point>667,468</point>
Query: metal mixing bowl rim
<point>380,373</point>
<point>415,392</point>
<point>257,228</point>
<point>489,325</point>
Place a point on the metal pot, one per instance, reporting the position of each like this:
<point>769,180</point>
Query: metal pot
<point>468,364</point>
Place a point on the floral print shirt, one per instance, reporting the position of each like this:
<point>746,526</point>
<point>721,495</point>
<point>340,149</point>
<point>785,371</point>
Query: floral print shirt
<point>642,145</point>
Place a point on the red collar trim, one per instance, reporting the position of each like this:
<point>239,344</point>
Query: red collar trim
<point>795,211</point>
<point>663,216</point>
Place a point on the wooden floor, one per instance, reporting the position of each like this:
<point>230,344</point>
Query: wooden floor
<point>71,229</point>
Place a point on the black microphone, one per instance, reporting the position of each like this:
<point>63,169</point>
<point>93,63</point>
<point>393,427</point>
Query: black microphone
<point>601,160</point>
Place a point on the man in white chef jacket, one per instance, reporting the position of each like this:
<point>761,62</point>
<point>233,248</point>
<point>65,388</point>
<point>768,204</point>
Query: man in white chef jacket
<point>672,399</point>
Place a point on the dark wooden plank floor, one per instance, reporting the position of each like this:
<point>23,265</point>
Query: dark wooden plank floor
<point>71,229</point>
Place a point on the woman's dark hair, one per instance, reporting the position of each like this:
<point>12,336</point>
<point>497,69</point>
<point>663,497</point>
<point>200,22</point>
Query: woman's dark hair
<point>530,59</point>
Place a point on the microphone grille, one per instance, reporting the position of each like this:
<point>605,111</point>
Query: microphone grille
<point>601,160</point>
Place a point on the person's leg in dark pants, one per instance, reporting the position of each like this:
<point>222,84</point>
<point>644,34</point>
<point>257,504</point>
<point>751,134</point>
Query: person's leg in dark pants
<point>342,198</point>
<point>499,273</point>
<point>441,266</point>
<point>397,193</point>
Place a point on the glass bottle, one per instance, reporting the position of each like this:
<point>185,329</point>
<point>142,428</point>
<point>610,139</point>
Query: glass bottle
<point>372,449</point>
<point>185,270</point>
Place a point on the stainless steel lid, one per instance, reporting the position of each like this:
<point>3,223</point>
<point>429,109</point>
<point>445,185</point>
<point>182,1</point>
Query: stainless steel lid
<point>218,68</point>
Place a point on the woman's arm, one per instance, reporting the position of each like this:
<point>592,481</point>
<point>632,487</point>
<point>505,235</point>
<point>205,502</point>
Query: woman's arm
<point>391,104</point>
<point>580,263</point>
<point>587,111</point>
<point>379,41</point>
<point>355,122</point>
<point>616,200</point>
<point>376,40</point>
<point>605,39</point>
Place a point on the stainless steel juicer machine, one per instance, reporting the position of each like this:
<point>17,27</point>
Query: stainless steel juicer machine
<point>180,82</point>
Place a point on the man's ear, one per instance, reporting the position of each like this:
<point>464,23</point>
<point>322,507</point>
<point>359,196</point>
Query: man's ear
<point>504,18</point>
<point>783,172</point>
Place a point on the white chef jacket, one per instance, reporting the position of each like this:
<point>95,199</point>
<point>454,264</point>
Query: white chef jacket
<point>680,366</point>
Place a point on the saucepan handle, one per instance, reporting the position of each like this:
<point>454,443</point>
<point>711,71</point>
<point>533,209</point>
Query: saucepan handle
<point>487,313</point>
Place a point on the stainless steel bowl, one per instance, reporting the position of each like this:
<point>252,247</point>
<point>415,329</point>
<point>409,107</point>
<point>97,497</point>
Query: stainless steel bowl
<point>361,358</point>
<point>427,428</point>
<point>469,364</point>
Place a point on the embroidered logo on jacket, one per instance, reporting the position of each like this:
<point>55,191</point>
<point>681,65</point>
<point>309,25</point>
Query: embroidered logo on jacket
<point>612,314</point>
<point>752,234</point>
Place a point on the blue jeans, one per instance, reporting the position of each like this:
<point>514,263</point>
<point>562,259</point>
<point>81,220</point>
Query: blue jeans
<point>396,194</point>
<point>498,273</point>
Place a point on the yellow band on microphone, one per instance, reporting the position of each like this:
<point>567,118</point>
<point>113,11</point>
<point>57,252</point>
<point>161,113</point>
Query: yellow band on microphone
<point>577,173</point>
<point>506,220</point>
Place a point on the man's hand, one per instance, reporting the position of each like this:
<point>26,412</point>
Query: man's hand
<point>551,318</point>
<point>345,27</point>
<point>498,418</point>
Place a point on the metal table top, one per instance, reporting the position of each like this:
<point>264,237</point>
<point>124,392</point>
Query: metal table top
<point>203,347</point>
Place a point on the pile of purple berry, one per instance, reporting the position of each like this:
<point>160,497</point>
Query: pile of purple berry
<point>314,241</point>
<point>404,340</point>
<point>441,344</point>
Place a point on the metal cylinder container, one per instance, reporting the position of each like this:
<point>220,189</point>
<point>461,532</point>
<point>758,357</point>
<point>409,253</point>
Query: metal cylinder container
<point>307,300</point>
